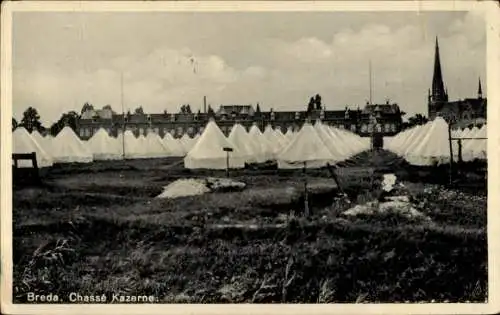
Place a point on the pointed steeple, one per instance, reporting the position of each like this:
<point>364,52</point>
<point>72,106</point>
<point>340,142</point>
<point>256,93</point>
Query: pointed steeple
<point>480,90</point>
<point>438,91</point>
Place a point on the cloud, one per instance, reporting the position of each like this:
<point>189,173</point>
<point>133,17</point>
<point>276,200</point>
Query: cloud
<point>238,66</point>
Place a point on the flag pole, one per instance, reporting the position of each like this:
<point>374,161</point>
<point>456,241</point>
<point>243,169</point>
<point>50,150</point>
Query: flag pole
<point>123,115</point>
<point>370,78</point>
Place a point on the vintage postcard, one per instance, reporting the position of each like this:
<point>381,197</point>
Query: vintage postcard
<point>248,157</point>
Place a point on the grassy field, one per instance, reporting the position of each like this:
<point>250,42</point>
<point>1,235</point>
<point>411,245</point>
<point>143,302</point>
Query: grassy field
<point>97,229</point>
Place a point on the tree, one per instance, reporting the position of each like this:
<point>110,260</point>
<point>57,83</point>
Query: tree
<point>317,102</point>
<point>139,110</point>
<point>87,107</point>
<point>31,120</point>
<point>186,109</point>
<point>310,106</point>
<point>415,120</point>
<point>418,119</point>
<point>257,110</point>
<point>67,119</point>
<point>14,123</point>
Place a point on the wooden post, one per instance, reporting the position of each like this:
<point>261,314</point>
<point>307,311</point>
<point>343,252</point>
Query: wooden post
<point>334,176</point>
<point>460,160</point>
<point>227,150</point>
<point>33,161</point>
<point>451,154</point>
<point>306,199</point>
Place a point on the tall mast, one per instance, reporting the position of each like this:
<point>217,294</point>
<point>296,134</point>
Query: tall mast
<point>370,79</point>
<point>123,116</point>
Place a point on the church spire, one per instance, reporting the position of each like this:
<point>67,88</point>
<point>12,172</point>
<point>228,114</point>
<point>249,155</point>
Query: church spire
<point>438,91</point>
<point>480,90</point>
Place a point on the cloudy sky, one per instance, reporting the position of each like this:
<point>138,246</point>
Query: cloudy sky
<point>62,60</point>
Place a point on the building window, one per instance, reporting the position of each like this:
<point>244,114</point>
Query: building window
<point>387,127</point>
<point>353,128</point>
<point>190,130</point>
<point>297,115</point>
<point>201,129</point>
<point>180,131</point>
<point>364,128</point>
<point>141,131</point>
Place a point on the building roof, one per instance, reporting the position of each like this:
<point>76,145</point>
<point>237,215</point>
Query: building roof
<point>235,109</point>
<point>383,108</point>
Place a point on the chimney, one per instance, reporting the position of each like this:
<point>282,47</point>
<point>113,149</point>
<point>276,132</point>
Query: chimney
<point>205,104</point>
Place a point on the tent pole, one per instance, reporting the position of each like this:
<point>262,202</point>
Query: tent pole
<point>306,199</point>
<point>227,163</point>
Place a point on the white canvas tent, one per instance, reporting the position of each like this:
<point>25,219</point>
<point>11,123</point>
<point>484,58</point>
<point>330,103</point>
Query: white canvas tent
<point>23,142</point>
<point>245,144</point>
<point>433,146</point>
<point>266,147</point>
<point>154,146</point>
<point>334,145</point>
<point>68,148</point>
<point>134,147</point>
<point>104,147</point>
<point>208,151</point>
<point>307,147</point>
<point>41,140</point>
<point>402,140</point>
<point>289,135</point>
<point>477,148</point>
<point>187,142</point>
<point>276,142</point>
<point>174,146</point>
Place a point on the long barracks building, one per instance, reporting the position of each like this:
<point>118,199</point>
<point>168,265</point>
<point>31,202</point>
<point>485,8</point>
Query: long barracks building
<point>360,121</point>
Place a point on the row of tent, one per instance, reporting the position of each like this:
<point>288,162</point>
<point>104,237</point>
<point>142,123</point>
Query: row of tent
<point>429,144</point>
<point>67,147</point>
<point>312,147</point>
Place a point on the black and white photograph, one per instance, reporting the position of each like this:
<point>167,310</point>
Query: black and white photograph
<point>187,154</point>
